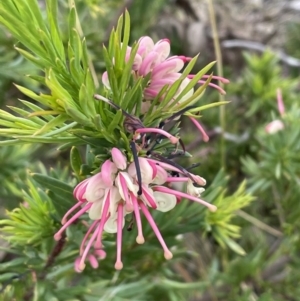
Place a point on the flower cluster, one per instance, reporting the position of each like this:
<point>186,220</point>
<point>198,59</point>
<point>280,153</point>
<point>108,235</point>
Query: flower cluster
<point>123,188</point>
<point>154,59</point>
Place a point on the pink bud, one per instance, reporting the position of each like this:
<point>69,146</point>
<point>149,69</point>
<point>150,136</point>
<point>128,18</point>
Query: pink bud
<point>108,171</point>
<point>118,158</point>
<point>105,80</point>
<point>79,190</point>
<point>274,126</point>
<point>101,254</point>
<point>93,261</point>
<point>77,266</point>
<point>280,103</point>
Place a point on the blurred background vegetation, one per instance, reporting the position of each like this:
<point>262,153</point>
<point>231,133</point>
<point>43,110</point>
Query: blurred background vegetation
<point>256,258</point>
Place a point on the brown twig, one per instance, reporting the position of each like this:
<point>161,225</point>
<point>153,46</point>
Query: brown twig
<point>55,252</point>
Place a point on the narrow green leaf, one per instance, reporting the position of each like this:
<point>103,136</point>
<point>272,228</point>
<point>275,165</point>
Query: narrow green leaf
<point>54,185</point>
<point>79,117</point>
<point>39,111</point>
<point>235,247</point>
<point>25,114</point>
<point>36,60</point>
<point>115,122</point>
<point>8,276</point>
<point>85,56</point>
<point>75,160</point>
<point>59,91</point>
<point>208,106</point>
<point>36,139</point>
<point>54,29</point>
<point>57,121</point>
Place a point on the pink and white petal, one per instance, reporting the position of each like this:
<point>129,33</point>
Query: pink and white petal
<point>111,225</point>
<point>131,170</point>
<point>128,52</point>
<point>165,202</point>
<point>148,197</point>
<point>274,126</point>
<point>95,188</point>
<point>163,48</point>
<point>137,59</point>
<point>95,211</point>
<point>118,158</point>
<point>199,180</point>
<point>161,176</point>
<point>150,94</point>
<point>194,191</point>
<point>164,69</point>
<point>146,44</point>
<point>129,181</point>
<point>105,80</point>
<point>137,62</point>
<point>159,83</point>
<point>184,83</point>
<point>108,171</point>
<point>148,63</point>
<point>154,168</point>
<point>151,91</point>
<point>146,170</point>
<point>115,198</point>
<point>80,189</point>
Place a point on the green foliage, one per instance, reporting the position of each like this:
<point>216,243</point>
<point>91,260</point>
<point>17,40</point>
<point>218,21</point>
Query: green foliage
<point>259,83</point>
<point>71,114</point>
<point>33,221</point>
<point>37,219</point>
<point>67,72</point>
<point>275,171</point>
<point>13,168</point>
<point>57,106</point>
<point>219,222</point>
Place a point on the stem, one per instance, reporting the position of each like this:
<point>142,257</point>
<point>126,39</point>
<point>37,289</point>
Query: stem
<point>222,113</point>
<point>56,251</point>
<point>279,208</point>
<point>259,224</point>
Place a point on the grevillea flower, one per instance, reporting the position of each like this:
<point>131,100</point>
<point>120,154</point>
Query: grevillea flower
<point>111,194</point>
<point>164,70</point>
<point>154,58</point>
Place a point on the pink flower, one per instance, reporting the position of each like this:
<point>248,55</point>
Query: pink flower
<point>154,58</point>
<point>280,104</point>
<point>274,126</point>
<point>108,202</point>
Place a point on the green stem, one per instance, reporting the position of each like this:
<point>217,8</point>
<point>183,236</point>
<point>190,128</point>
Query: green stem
<point>259,224</point>
<point>218,54</point>
<point>279,208</point>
